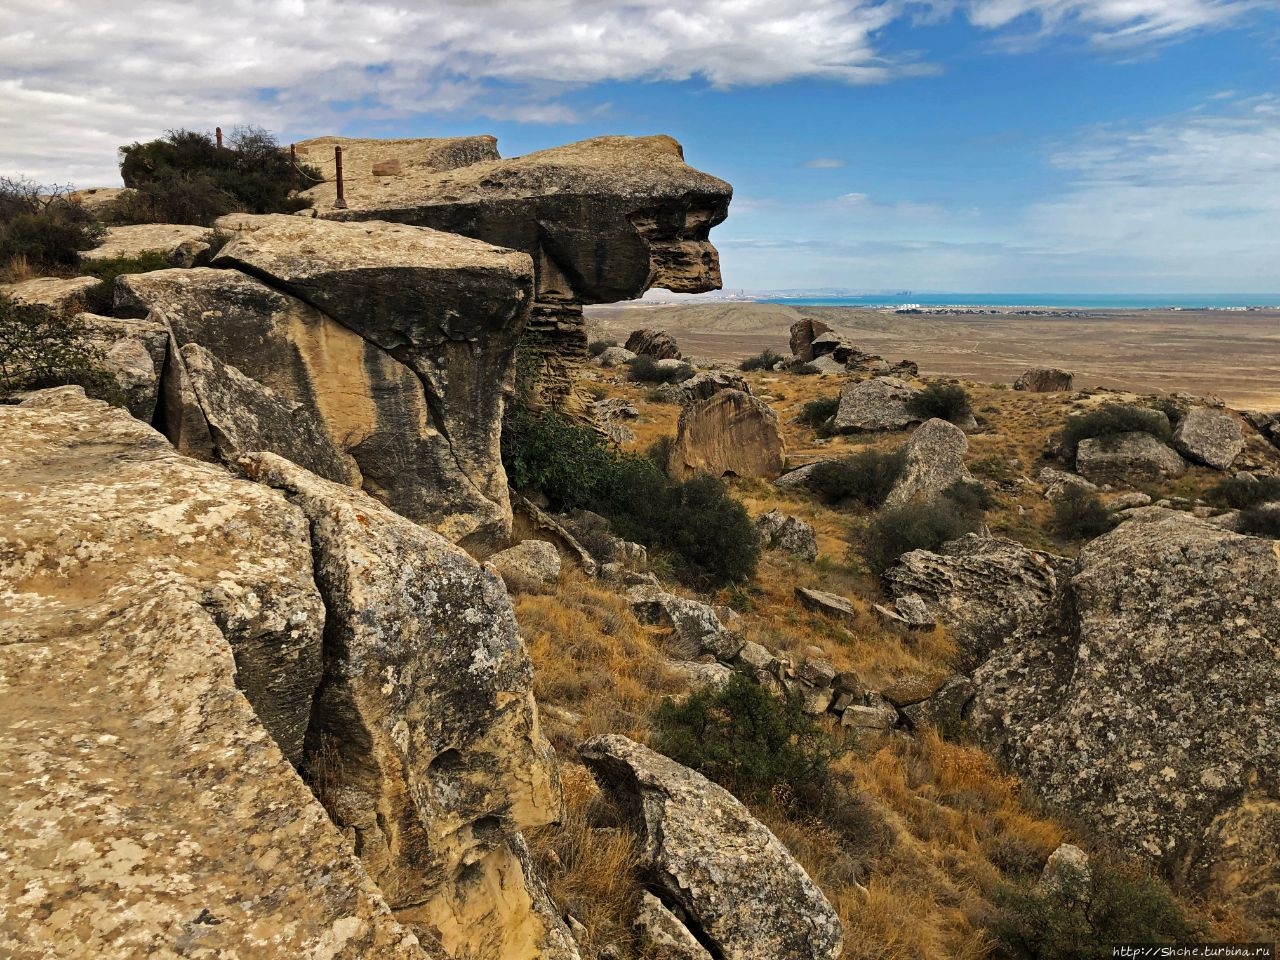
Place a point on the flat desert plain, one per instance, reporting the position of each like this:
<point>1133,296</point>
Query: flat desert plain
<point>1229,355</point>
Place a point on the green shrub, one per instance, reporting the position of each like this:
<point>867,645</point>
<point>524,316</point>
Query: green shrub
<point>645,369</point>
<point>805,369</point>
<point>184,177</point>
<point>746,740</point>
<point>1111,420</point>
<point>40,349</point>
<point>542,450</point>
<point>1079,514</point>
<point>1260,522</point>
<point>924,526</point>
<point>764,360</point>
<point>41,227</point>
<point>100,299</point>
<point>1241,492</point>
<point>945,401</point>
<point>865,478</point>
<point>597,347</point>
<point>1085,913</point>
<point>818,413</point>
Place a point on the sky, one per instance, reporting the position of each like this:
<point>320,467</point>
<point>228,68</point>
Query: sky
<point>1067,146</point>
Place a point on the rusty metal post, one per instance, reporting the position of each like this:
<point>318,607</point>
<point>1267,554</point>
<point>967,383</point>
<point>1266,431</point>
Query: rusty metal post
<point>293,168</point>
<point>218,132</point>
<point>341,202</point>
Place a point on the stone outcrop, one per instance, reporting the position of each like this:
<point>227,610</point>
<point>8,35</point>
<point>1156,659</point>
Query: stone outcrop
<point>803,333</point>
<point>1144,706</point>
<point>830,604</point>
<point>732,433</point>
<point>981,589</point>
<point>613,357</point>
<point>419,413</point>
<point>181,245</point>
<point>1126,459</point>
<point>161,644</point>
<point>1058,484</point>
<point>703,386</point>
<point>531,566</point>
<point>654,343</point>
<point>717,868</point>
<point>60,294</point>
<point>696,627</point>
<point>1045,380</point>
<point>662,932</point>
<point>882,403</point>
<point>133,351</point>
<point>801,478</point>
<point>778,531</point>
<point>1267,424</point>
<point>424,739</point>
<point>603,219</point>
<point>934,462</point>
<point>1211,437</point>
<point>375,164</point>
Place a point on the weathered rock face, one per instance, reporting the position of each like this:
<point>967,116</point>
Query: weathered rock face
<point>134,353</point>
<point>424,738</point>
<point>731,433</point>
<point>613,357</point>
<point>1211,437</point>
<point>1127,459</point>
<point>531,566</point>
<point>654,343</point>
<point>803,333</point>
<point>982,589</point>
<point>145,596</point>
<point>1045,380</point>
<point>935,461</point>
<point>182,245</point>
<point>831,604</point>
<point>720,870</point>
<point>696,627</point>
<point>878,404</point>
<point>58,293</point>
<point>371,406</point>
<point>703,386</point>
<point>662,932</point>
<point>778,531</point>
<point>1058,484</point>
<point>1148,707</point>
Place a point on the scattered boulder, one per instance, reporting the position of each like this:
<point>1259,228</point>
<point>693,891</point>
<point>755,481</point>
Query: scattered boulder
<point>1045,380</point>
<point>697,626</point>
<point>803,333</point>
<point>945,708</point>
<point>934,462</point>
<point>881,403</point>
<point>180,244</point>
<point>662,932</point>
<point>705,385</point>
<point>912,687</point>
<point>531,566</point>
<point>610,414</point>
<point>1058,484</point>
<point>134,352</point>
<point>914,612</point>
<point>778,531</point>
<point>800,478</point>
<point>732,433</point>
<point>828,366</point>
<point>981,589</point>
<point>1126,459</point>
<point>1152,679</point>
<point>613,357</point>
<point>654,343</point>
<point>1067,868</point>
<point>872,712</point>
<point>59,294</point>
<point>1267,424</point>
<point>830,604</point>
<point>702,676</point>
<point>904,368</point>
<point>714,863</point>
<point>1211,437</point>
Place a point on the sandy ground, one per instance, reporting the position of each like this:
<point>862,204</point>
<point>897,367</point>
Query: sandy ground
<point>1233,356</point>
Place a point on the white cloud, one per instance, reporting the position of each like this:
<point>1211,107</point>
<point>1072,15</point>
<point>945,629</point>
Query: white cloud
<point>1113,22</point>
<point>825,163</point>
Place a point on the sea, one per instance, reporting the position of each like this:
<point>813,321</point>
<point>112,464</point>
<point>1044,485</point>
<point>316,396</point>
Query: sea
<point>1081,301</point>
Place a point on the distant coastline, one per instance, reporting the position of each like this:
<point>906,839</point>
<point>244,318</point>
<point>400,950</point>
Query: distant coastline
<point>1033,301</point>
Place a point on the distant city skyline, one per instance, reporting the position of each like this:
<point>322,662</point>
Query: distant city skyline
<point>1099,146</point>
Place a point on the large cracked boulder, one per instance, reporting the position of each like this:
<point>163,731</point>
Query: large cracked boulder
<point>803,332</point>
<point>181,245</point>
<point>981,589</point>
<point>934,462</point>
<point>1147,706</point>
<point>1211,437</point>
<point>731,433</point>
<point>717,868</point>
<point>882,403</point>
<point>160,645</point>
<point>779,531</point>
<point>654,343</point>
<point>1045,380</point>
<point>424,736</point>
<point>1128,459</point>
<point>133,351</point>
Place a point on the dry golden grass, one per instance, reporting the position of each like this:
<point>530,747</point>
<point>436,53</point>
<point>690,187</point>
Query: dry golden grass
<point>17,270</point>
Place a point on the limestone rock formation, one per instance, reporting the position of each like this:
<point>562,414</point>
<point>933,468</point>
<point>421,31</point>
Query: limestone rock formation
<point>778,531</point>
<point>981,589</point>
<point>531,566</point>
<point>1144,707</point>
<point>613,357</point>
<point>181,245</point>
<point>803,333</point>
<point>703,386</point>
<point>1128,458</point>
<point>934,462</point>
<point>696,627</point>
<point>1058,484</point>
<point>831,604</point>
<point>424,740</point>
<point>654,343</point>
<point>878,404</point>
<point>60,294</point>
<point>662,932</point>
<point>134,353</point>
<point>800,478</point>
<point>731,881</point>
<point>1045,380</point>
<point>1211,437</point>
<point>730,433</point>
<point>161,642</point>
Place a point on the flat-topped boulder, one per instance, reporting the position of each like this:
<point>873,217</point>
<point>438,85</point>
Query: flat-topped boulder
<point>654,343</point>
<point>182,245</point>
<point>1045,380</point>
<point>1212,437</point>
<point>731,433</point>
<point>1127,459</point>
<point>59,294</point>
<point>882,403</point>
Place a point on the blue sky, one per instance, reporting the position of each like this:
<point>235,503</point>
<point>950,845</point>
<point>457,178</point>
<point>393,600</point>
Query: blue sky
<point>962,145</point>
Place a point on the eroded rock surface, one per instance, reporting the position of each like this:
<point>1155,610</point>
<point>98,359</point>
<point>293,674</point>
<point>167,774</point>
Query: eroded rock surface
<point>182,245</point>
<point>934,462</point>
<point>878,404</point>
<point>1045,380</point>
<point>734,882</point>
<point>778,531</point>
<point>730,433</point>
<point>1211,437</point>
<point>1127,459</point>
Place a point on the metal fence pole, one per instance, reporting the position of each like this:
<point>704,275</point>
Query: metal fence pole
<point>341,202</point>
<point>293,167</point>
